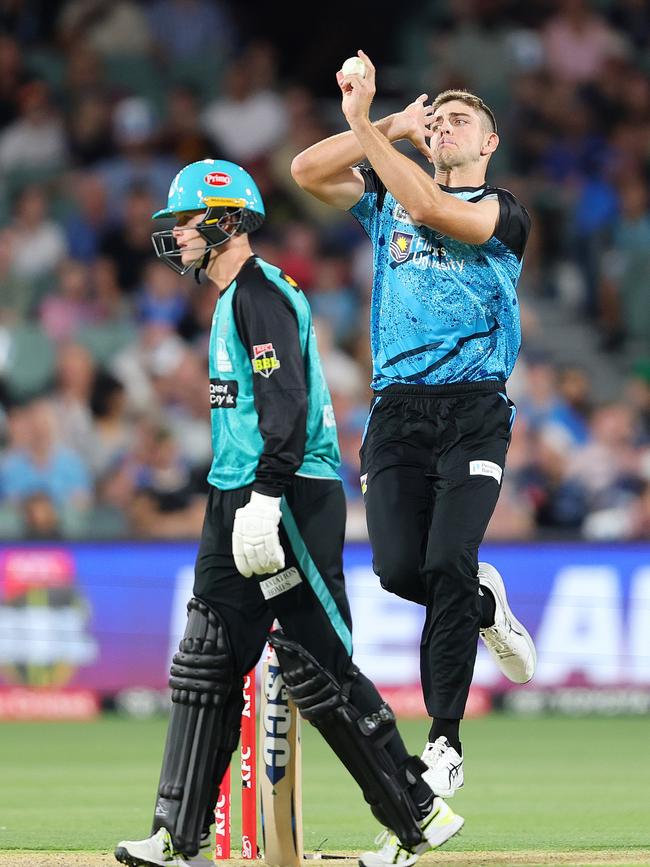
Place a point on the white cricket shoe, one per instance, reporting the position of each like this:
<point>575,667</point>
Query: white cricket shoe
<point>441,824</point>
<point>507,640</point>
<point>158,850</point>
<point>445,768</point>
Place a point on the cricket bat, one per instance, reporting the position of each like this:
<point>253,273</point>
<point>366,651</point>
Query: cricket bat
<point>280,780</point>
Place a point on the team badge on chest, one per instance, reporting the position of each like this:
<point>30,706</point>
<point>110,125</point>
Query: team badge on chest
<point>264,360</point>
<point>400,245</point>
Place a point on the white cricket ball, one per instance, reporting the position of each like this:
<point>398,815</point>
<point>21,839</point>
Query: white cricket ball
<point>354,66</point>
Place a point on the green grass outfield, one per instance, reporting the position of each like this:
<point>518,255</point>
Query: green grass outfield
<point>544,786</point>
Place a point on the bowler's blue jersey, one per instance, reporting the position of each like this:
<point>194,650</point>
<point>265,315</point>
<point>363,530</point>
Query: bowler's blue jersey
<point>442,311</point>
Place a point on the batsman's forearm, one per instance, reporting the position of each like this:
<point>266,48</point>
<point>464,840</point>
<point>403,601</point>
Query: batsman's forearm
<point>332,155</point>
<point>404,179</point>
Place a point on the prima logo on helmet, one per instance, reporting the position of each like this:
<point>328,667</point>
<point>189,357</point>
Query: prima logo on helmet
<point>217,179</point>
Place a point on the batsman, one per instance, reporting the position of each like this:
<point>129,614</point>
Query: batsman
<point>271,545</point>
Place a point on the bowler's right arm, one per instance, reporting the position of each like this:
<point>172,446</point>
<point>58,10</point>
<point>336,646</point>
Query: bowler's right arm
<point>326,169</point>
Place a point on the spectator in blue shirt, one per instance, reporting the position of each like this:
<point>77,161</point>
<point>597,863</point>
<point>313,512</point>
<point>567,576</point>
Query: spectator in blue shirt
<point>36,462</point>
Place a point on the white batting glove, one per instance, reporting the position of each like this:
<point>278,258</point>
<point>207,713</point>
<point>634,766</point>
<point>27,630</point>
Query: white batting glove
<point>255,539</point>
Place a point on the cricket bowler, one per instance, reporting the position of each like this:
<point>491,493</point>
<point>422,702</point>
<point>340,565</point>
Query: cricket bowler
<point>445,334</point>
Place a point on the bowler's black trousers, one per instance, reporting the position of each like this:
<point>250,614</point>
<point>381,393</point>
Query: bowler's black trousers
<point>431,464</point>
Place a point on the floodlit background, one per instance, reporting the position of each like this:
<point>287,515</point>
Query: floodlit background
<point>104,411</point>
<point>105,420</point>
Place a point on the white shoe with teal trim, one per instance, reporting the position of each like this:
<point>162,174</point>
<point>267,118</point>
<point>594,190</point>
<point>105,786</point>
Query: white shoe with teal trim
<point>158,851</point>
<point>445,768</point>
<point>507,640</point>
<point>439,826</point>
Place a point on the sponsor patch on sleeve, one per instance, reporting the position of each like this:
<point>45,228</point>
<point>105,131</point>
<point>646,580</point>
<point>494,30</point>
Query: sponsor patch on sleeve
<point>329,419</point>
<point>280,583</point>
<point>264,360</point>
<point>223,393</point>
<point>486,468</point>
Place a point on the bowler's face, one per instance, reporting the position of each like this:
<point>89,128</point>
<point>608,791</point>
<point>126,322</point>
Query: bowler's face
<point>457,135</point>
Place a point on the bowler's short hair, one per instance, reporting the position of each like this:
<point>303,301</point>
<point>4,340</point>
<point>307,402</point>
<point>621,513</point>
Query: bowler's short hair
<point>471,99</point>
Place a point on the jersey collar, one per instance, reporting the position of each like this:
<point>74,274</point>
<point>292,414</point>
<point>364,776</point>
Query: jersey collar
<point>461,189</point>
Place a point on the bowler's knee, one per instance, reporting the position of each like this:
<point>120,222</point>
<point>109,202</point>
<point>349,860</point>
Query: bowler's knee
<point>399,573</point>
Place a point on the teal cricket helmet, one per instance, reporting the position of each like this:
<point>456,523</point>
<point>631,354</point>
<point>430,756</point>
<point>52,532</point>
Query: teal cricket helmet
<point>228,196</point>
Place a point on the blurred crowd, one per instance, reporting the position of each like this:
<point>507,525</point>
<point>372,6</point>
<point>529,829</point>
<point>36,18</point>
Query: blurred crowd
<point>104,420</point>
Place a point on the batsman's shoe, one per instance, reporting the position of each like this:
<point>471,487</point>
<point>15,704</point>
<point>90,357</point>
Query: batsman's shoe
<point>507,640</point>
<point>439,826</point>
<point>445,768</point>
<point>159,850</point>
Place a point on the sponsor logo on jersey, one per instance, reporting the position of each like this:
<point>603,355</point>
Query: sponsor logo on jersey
<point>400,213</point>
<point>424,253</point>
<point>223,393</point>
<point>217,179</point>
<point>400,245</point>
<point>224,364</point>
<point>363,480</point>
<point>264,360</point>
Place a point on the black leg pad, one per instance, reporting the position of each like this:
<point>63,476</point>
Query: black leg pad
<point>357,736</point>
<point>203,727</point>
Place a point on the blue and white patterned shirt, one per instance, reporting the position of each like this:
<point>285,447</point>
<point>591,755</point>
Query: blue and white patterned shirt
<point>442,311</point>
